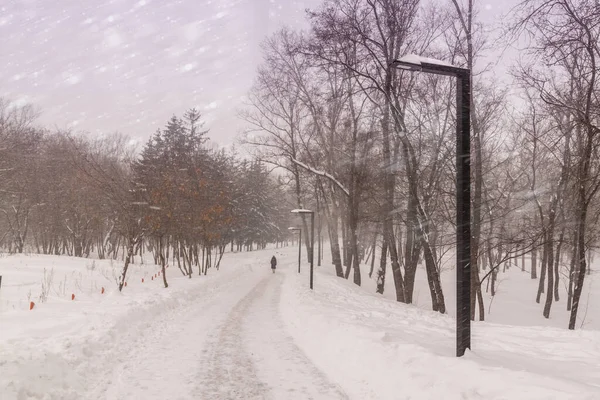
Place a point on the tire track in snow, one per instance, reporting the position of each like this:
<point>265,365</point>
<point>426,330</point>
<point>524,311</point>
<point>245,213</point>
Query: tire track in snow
<point>280,362</point>
<point>252,357</point>
<point>227,372</point>
<point>153,356</point>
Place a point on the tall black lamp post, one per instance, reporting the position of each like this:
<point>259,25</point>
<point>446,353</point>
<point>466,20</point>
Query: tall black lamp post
<point>463,187</point>
<point>292,228</point>
<point>312,239</point>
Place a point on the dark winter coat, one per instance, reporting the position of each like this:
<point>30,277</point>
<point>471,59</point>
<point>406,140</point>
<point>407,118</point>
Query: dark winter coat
<point>273,262</point>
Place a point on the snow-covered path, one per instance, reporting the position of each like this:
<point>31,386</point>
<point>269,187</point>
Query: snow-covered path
<point>226,343</point>
<point>162,350</point>
<point>227,369</point>
<point>279,362</point>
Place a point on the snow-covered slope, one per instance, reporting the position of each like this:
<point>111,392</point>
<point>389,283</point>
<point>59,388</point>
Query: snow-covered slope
<point>379,349</point>
<point>245,333</point>
<point>514,303</point>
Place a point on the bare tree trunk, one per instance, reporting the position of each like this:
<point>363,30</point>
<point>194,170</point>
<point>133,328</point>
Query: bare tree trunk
<point>332,227</point>
<point>202,266</point>
<point>476,218</point>
<point>331,213</point>
<point>550,265</point>
<point>484,259</point>
<point>353,200</point>
<point>412,250</point>
<point>557,259</point>
<point>221,251</point>
<point>389,183</point>
<point>437,296</point>
<point>396,272</point>
<point>542,274</point>
<point>209,259</point>
<point>494,278</point>
<point>534,262</point>
<point>163,262</point>
<point>480,302</point>
<point>346,246</point>
<point>183,271</point>
<point>130,248</point>
<point>373,251</point>
<point>168,247</point>
<point>581,217</point>
<point>382,268</point>
<point>572,271</point>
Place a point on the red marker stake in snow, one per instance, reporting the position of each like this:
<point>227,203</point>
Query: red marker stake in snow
<point>102,291</point>
<point>73,296</point>
<point>142,280</point>
<point>31,305</point>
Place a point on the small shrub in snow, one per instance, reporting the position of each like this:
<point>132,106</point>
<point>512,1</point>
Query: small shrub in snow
<point>110,274</point>
<point>62,287</point>
<point>78,277</point>
<point>115,275</point>
<point>46,285</point>
<point>92,266</point>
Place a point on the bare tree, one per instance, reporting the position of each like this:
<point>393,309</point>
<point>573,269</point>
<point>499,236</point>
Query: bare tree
<point>565,46</point>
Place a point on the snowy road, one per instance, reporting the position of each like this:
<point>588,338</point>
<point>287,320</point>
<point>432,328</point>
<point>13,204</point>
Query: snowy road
<point>227,343</point>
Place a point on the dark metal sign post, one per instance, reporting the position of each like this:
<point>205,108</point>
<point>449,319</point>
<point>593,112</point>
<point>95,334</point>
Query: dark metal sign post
<point>463,187</point>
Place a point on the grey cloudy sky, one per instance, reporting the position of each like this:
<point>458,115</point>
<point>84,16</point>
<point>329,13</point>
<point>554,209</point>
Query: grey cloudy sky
<point>128,65</point>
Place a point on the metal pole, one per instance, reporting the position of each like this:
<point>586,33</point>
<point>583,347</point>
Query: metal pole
<point>463,213</point>
<point>312,246</point>
<point>299,248</point>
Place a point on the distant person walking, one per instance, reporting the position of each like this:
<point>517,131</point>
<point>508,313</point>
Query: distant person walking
<point>273,264</point>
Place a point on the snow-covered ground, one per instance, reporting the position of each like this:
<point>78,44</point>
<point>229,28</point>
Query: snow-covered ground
<point>380,349</point>
<point>245,333</point>
<point>514,303</point>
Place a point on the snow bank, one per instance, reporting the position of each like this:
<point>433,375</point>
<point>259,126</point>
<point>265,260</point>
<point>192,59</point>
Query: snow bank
<point>376,348</point>
<point>63,348</point>
<point>514,303</point>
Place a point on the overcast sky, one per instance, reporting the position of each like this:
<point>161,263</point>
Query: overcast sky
<point>128,65</point>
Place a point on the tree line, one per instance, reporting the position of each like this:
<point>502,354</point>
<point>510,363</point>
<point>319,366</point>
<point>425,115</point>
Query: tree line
<point>374,145</point>
<point>180,199</point>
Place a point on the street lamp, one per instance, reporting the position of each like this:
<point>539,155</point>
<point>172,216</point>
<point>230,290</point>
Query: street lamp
<point>292,228</point>
<point>463,186</point>
<point>312,239</point>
